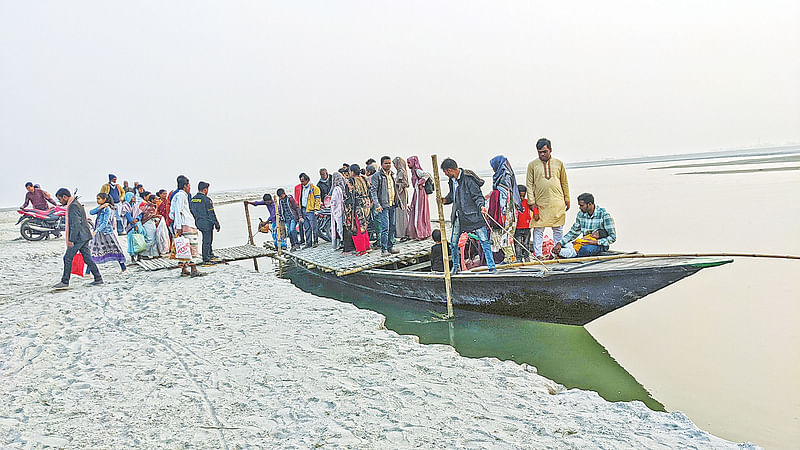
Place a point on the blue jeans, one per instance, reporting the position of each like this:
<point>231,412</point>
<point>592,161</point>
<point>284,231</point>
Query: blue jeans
<point>310,227</point>
<point>118,219</point>
<point>591,250</point>
<point>274,224</point>
<point>388,221</point>
<point>291,230</point>
<point>483,237</point>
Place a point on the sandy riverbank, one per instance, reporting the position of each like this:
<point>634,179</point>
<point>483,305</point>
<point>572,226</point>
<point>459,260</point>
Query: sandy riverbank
<point>238,358</point>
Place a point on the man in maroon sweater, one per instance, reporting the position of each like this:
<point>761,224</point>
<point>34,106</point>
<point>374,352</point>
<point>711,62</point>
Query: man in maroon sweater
<point>36,197</point>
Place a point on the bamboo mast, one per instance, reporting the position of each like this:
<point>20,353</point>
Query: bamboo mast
<point>250,232</point>
<point>445,250</point>
<point>277,204</point>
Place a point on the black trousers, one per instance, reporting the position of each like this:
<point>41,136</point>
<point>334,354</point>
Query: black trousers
<point>208,238</point>
<point>523,235</point>
<point>82,247</point>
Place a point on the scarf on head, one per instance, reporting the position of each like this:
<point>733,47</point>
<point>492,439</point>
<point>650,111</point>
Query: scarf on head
<point>337,180</point>
<point>413,164</point>
<point>402,169</point>
<point>503,171</point>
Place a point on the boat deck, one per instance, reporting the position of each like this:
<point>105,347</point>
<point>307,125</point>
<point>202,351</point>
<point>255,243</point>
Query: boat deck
<point>324,258</point>
<point>239,253</point>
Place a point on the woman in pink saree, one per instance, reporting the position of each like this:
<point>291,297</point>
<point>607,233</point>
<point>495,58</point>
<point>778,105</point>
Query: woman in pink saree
<point>419,213</point>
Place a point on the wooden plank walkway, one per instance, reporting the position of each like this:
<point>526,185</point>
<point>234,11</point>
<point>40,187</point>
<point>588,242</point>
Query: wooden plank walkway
<point>326,259</point>
<point>239,253</point>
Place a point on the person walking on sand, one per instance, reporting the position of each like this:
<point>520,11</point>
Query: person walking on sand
<point>184,224</point>
<point>104,245</point>
<point>469,208</point>
<point>78,237</point>
<point>548,192</point>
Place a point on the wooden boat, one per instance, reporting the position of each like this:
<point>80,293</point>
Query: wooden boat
<point>573,293</point>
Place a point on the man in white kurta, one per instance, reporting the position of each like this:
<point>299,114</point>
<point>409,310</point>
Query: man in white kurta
<point>548,195</point>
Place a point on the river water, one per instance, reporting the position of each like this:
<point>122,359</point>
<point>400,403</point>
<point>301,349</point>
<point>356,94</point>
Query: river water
<point>720,346</point>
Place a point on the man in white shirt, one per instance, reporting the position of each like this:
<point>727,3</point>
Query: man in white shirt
<point>184,225</point>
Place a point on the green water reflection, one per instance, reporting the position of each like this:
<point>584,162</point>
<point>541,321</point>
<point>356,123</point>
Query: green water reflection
<point>564,353</point>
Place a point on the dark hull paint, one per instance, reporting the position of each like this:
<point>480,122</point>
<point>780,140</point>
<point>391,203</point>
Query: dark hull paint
<point>572,298</point>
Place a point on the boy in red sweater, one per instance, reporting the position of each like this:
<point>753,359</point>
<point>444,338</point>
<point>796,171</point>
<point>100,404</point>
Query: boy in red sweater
<point>522,235</point>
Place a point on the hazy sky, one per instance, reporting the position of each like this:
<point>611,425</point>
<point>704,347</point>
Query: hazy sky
<point>251,93</point>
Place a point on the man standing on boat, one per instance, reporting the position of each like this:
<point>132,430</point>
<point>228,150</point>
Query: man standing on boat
<point>548,195</point>
<point>469,208</point>
<point>310,203</point>
<point>384,196</point>
<point>591,218</point>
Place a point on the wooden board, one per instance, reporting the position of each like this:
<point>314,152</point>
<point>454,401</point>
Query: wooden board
<point>324,258</point>
<point>224,254</point>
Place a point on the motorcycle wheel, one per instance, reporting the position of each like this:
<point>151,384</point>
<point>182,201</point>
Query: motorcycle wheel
<point>28,233</point>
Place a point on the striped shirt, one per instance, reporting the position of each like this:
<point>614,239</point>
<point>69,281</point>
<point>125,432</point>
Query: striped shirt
<point>586,224</point>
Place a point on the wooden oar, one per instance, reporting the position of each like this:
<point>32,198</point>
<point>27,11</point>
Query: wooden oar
<point>638,255</point>
<point>445,256</point>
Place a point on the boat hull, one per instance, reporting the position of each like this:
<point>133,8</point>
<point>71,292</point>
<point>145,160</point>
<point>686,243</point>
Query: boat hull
<point>566,297</point>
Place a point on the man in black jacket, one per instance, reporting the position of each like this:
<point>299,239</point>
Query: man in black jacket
<point>469,207</point>
<point>206,219</point>
<point>78,237</point>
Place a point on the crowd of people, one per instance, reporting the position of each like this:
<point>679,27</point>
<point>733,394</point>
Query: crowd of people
<point>378,205</point>
<point>370,207</point>
<point>156,224</point>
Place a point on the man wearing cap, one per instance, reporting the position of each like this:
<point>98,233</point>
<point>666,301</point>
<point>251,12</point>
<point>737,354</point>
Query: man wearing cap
<point>115,193</point>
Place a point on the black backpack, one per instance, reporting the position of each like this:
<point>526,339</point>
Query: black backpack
<point>429,185</point>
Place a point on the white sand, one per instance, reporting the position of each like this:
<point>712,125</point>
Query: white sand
<point>239,359</point>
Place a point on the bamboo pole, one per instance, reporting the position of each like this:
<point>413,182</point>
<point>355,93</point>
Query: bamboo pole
<point>250,232</point>
<point>445,250</point>
<point>639,255</point>
<point>278,222</point>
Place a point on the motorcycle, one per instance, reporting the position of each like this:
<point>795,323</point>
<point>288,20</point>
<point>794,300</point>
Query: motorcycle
<point>37,224</point>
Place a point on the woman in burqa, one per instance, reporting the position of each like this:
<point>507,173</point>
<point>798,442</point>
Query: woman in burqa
<point>401,187</point>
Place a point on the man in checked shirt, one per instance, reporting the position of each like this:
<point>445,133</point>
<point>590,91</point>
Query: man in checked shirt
<point>591,218</point>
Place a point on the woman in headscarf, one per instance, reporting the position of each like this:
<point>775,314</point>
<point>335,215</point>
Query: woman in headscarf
<point>401,185</point>
<point>356,211</point>
<point>126,212</point>
<point>337,209</point>
<point>419,214</point>
<point>503,204</point>
<point>104,245</point>
<point>149,219</point>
